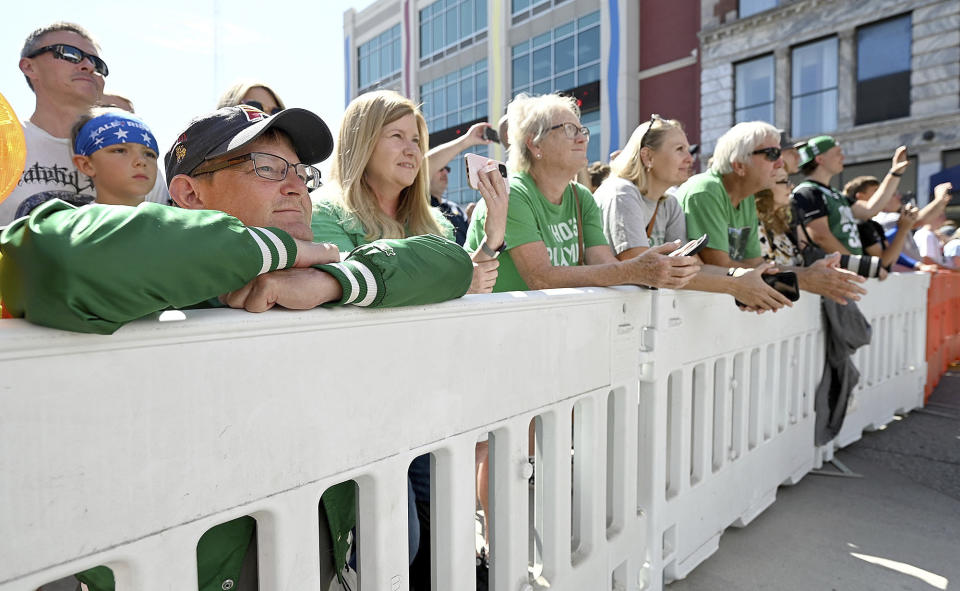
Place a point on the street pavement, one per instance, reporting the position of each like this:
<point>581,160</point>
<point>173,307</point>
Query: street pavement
<point>896,528</point>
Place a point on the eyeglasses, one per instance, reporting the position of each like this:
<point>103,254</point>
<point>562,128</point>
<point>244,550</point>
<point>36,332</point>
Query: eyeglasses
<point>74,55</point>
<point>643,138</point>
<point>270,167</point>
<point>571,130</point>
<point>446,169</point>
<point>771,154</point>
<point>259,106</point>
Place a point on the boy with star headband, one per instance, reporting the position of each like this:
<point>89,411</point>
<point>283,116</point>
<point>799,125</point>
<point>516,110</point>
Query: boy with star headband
<point>118,152</point>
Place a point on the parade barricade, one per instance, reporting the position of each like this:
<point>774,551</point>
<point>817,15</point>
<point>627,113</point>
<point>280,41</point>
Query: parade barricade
<point>729,406</point>
<point>892,367</point>
<point>671,415</point>
<point>943,326</point>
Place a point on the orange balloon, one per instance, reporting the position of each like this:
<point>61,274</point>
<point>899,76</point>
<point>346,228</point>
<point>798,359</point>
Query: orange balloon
<point>13,149</point>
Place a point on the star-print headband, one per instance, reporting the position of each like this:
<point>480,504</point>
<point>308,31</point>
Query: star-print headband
<point>113,128</point>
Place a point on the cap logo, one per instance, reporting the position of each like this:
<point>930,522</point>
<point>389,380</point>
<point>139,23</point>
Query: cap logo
<point>252,113</point>
<point>181,152</point>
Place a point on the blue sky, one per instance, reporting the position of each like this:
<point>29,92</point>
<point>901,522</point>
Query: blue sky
<point>175,58</point>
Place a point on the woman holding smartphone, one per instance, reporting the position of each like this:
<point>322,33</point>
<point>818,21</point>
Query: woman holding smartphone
<point>380,184</point>
<point>554,234</point>
<point>638,213</point>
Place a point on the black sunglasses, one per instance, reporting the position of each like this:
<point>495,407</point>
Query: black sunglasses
<point>646,132</point>
<point>259,106</point>
<point>771,154</point>
<point>74,55</point>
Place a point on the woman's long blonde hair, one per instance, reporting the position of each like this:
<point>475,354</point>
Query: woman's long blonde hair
<point>628,164</point>
<point>362,123</point>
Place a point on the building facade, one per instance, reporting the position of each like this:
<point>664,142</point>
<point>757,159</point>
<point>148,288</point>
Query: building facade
<point>876,74</point>
<point>464,60</point>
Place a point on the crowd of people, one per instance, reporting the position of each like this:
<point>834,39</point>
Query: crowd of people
<point>94,236</point>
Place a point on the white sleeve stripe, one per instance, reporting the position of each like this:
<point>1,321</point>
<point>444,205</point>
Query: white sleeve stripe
<point>265,252</point>
<point>371,284</point>
<point>354,285</point>
<point>281,249</point>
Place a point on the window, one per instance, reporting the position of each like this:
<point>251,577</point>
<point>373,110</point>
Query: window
<point>814,85</point>
<point>521,10</point>
<point>447,23</point>
<point>379,60</point>
<point>591,121</point>
<point>561,59</point>
<point>754,90</point>
<point>455,98</point>
<point>883,70</point>
<point>752,7</point>
<point>879,168</point>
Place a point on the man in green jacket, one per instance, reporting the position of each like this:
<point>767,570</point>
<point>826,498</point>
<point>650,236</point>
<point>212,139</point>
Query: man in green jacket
<point>241,236</point>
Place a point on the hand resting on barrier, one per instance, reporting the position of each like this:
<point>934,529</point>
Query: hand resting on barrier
<point>295,289</point>
<point>655,269</point>
<point>750,288</point>
<point>825,278</point>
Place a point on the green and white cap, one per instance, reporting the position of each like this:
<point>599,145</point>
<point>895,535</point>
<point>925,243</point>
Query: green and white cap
<point>814,147</point>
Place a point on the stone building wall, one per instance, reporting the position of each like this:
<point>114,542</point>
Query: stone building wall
<point>935,72</point>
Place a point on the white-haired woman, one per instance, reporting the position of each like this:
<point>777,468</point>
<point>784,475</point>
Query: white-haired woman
<point>554,234</point>
<point>380,184</point>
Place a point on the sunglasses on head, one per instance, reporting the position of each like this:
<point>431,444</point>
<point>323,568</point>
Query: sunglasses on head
<point>643,138</point>
<point>259,105</point>
<point>771,154</point>
<point>74,55</point>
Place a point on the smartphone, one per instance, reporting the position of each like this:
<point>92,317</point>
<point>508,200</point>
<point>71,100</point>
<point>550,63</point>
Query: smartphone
<point>784,282</point>
<point>475,164</point>
<point>491,134</point>
<point>691,248</point>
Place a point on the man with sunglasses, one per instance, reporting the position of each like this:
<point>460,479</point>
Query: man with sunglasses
<point>438,160</point>
<point>450,210</point>
<point>720,203</point>
<point>62,66</point>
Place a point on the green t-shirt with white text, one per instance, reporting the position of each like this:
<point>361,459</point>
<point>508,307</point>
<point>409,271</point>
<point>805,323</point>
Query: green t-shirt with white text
<point>532,218</point>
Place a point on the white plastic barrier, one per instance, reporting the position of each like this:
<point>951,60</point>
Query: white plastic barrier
<point>123,450</point>
<point>730,409</point>
<point>687,414</point>
<point>893,368</point>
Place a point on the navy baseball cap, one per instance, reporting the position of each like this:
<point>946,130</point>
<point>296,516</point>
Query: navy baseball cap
<point>230,128</point>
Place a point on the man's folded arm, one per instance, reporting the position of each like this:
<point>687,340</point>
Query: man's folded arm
<point>93,269</point>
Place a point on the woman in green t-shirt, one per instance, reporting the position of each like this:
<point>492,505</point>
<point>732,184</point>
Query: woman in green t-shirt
<point>380,184</point>
<point>554,232</point>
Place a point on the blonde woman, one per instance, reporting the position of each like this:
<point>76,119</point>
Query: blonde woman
<point>253,93</point>
<point>380,184</point>
<point>634,197</point>
<point>638,213</point>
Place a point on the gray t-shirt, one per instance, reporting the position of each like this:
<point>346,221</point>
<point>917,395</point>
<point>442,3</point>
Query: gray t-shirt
<point>626,214</point>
